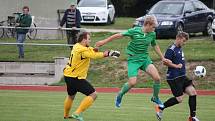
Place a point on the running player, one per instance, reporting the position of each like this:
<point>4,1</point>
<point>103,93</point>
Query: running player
<point>138,56</point>
<point>177,79</point>
<point>75,74</point>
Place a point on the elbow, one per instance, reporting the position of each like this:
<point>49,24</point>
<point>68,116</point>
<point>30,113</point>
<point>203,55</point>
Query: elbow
<point>164,63</point>
<point>119,35</point>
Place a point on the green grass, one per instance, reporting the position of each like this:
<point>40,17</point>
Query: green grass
<point>48,106</point>
<point>120,23</point>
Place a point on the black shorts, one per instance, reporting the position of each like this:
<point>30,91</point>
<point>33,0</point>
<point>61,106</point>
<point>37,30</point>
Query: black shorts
<point>179,85</point>
<point>75,85</point>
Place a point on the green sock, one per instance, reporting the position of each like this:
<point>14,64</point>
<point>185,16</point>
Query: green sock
<point>125,88</point>
<point>156,88</point>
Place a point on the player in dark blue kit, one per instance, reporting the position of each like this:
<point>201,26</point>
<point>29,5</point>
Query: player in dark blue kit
<point>179,83</point>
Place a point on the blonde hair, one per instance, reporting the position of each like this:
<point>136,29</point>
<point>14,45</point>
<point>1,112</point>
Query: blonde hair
<point>150,19</point>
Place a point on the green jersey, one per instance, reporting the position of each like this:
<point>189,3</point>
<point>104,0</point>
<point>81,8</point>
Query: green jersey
<point>140,42</point>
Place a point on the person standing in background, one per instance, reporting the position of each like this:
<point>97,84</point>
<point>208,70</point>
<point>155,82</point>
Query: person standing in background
<point>24,20</point>
<point>72,18</point>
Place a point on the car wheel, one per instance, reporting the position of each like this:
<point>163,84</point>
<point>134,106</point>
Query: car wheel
<point>214,37</point>
<point>179,28</point>
<point>113,21</point>
<point>109,20</point>
<point>208,29</point>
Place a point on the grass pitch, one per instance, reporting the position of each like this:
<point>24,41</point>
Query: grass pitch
<point>48,106</point>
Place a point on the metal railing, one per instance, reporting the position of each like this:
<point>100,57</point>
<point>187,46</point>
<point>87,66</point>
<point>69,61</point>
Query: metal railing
<point>35,44</point>
<point>58,28</point>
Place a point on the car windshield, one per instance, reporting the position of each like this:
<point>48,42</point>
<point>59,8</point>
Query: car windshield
<point>167,8</point>
<point>92,3</point>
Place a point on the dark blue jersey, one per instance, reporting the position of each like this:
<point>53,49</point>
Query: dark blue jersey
<point>176,55</point>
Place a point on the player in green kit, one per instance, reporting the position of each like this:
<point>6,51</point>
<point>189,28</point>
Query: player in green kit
<point>138,56</point>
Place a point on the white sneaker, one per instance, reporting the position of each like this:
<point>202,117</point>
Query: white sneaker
<point>193,119</point>
<point>159,112</point>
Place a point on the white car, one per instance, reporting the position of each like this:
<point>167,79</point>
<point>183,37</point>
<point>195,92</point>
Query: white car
<point>97,11</point>
<point>213,29</point>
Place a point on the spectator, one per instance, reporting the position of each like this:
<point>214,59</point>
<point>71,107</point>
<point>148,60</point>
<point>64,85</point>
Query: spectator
<point>24,20</point>
<point>72,18</point>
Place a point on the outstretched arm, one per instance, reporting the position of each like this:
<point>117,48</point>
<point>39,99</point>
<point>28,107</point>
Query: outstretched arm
<point>158,51</point>
<point>109,39</point>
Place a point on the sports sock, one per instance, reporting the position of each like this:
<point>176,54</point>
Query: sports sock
<point>85,103</point>
<point>125,88</point>
<point>192,105</point>
<point>156,89</point>
<point>170,102</point>
<point>67,106</point>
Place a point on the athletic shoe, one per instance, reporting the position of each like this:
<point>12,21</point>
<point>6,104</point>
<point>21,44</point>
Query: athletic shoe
<point>157,101</point>
<point>118,101</point>
<point>77,117</point>
<point>67,117</point>
<point>159,112</point>
<point>193,119</point>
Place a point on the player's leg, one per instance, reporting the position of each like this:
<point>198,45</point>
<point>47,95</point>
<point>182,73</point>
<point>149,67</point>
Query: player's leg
<point>177,90</point>
<point>153,72</point>
<point>67,105</point>
<point>125,88</point>
<point>71,95</point>
<point>86,88</point>
<point>133,68</point>
<point>190,90</point>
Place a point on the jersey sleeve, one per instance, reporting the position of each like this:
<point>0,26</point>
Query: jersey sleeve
<point>153,42</point>
<point>128,33</point>
<point>90,53</point>
<point>169,54</point>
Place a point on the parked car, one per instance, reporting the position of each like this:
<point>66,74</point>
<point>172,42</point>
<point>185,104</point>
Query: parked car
<point>191,16</point>
<point>97,11</point>
<point>213,28</point>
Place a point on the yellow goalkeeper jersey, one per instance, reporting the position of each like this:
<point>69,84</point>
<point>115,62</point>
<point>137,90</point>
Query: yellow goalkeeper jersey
<point>79,61</point>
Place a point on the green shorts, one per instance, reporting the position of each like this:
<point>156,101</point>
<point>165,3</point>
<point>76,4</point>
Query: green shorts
<point>135,65</point>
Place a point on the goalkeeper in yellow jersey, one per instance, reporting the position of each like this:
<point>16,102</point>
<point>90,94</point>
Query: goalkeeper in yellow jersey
<point>75,74</point>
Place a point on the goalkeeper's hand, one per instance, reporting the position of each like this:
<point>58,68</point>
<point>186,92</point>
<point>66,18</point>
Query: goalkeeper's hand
<point>114,53</point>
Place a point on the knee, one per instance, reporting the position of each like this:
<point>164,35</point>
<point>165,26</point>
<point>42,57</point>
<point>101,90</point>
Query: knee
<point>94,95</point>
<point>157,78</point>
<point>179,99</point>
<point>193,92</point>
<point>132,83</point>
<point>72,97</point>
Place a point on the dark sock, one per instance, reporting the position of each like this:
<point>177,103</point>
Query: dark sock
<point>170,102</point>
<point>192,105</point>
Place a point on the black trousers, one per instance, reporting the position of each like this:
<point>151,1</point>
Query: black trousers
<point>72,36</point>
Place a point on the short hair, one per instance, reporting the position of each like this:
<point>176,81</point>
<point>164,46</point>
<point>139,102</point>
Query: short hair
<point>82,35</point>
<point>183,35</point>
<point>25,7</point>
<point>150,19</point>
